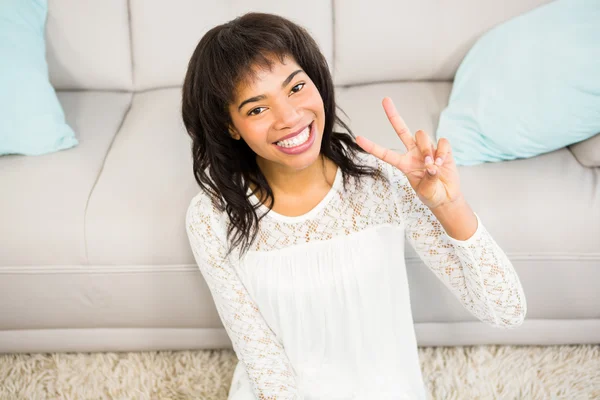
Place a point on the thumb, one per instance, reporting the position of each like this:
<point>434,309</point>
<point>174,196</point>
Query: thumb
<point>384,154</point>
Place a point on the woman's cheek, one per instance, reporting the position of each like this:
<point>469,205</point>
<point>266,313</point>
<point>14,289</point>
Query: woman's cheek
<point>258,132</point>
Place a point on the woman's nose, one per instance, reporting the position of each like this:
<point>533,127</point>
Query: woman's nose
<point>288,116</point>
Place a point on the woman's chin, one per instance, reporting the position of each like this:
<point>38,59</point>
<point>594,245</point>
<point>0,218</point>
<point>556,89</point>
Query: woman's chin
<point>305,160</point>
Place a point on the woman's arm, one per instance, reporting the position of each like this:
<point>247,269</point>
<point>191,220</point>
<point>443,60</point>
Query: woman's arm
<point>476,270</point>
<point>254,342</point>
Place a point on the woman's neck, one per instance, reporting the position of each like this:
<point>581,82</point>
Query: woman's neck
<point>282,181</point>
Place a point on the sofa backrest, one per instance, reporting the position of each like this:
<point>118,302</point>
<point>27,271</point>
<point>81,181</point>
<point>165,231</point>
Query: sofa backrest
<point>134,45</point>
<point>88,45</point>
<point>399,40</point>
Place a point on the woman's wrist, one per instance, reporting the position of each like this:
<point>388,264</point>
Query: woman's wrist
<point>457,218</point>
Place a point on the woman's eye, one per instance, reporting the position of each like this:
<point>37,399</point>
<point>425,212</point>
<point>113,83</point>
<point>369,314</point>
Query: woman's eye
<point>295,89</point>
<point>252,111</point>
<point>300,84</point>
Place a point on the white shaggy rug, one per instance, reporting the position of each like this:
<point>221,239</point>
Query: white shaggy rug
<point>473,372</point>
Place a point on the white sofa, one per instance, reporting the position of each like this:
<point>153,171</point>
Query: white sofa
<point>93,250</point>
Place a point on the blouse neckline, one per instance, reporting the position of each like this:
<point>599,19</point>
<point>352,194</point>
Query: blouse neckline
<point>335,187</point>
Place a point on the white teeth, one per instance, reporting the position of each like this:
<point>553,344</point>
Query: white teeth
<point>297,140</point>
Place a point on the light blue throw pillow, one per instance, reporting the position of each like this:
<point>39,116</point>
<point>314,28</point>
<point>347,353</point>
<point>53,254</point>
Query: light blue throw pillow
<point>32,121</point>
<point>528,86</point>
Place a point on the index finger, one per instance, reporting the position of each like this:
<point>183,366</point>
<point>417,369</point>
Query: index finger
<point>398,124</point>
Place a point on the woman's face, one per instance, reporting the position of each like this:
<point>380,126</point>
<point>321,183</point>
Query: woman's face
<point>281,117</point>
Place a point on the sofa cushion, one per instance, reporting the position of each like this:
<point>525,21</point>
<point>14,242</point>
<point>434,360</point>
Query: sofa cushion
<point>162,50</point>
<point>89,45</point>
<point>136,212</point>
<point>587,152</point>
<point>32,121</point>
<point>411,40</point>
<point>511,99</point>
<point>44,198</point>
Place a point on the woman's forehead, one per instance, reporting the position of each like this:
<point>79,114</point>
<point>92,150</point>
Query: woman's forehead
<point>262,72</point>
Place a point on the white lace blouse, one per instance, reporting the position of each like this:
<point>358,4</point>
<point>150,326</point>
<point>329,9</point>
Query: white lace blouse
<point>319,307</point>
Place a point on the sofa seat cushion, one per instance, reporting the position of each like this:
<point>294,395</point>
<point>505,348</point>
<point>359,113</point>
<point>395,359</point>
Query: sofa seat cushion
<point>587,151</point>
<point>137,211</point>
<point>44,198</point>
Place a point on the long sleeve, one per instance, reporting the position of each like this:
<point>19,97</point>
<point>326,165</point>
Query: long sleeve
<point>476,270</point>
<point>254,342</point>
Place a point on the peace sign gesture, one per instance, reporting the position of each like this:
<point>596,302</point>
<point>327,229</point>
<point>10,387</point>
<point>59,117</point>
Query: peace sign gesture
<point>432,172</point>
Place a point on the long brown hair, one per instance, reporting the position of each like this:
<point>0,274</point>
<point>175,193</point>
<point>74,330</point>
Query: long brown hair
<point>223,167</point>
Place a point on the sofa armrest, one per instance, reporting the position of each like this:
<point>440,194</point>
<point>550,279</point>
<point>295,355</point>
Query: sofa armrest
<point>587,151</point>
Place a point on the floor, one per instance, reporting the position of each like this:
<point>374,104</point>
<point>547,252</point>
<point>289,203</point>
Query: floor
<point>473,372</point>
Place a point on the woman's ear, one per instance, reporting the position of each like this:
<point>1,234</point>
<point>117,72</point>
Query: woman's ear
<point>234,133</point>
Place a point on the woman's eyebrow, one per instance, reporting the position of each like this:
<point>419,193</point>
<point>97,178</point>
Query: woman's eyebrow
<point>262,96</point>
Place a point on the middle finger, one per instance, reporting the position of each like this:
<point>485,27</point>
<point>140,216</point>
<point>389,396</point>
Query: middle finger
<point>425,146</point>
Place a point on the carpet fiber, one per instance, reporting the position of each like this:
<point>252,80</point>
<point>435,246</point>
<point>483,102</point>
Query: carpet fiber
<point>473,372</point>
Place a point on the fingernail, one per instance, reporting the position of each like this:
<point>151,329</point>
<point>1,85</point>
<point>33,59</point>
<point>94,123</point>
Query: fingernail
<point>438,161</point>
<point>431,171</point>
<point>428,160</point>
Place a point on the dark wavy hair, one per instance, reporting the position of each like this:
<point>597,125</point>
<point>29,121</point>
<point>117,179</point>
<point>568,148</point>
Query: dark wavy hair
<point>223,167</point>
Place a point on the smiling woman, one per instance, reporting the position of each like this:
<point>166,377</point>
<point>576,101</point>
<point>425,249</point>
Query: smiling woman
<point>263,79</point>
<point>289,120</point>
<point>298,230</point>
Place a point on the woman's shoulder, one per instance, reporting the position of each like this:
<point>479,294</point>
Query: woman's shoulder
<point>204,226</point>
<point>202,208</point>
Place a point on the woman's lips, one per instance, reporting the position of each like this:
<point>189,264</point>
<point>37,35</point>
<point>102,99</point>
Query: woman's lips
<point>302,147</point>
<point>291,135</point>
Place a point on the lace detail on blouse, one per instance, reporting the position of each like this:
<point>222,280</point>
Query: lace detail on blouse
<point>361,205</point>
<point>475,270</point>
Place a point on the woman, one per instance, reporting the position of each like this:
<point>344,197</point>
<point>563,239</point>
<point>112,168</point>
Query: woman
<point>298,230</point>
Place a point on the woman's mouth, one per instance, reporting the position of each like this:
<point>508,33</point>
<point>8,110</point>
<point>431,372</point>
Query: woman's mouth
<point>299,143</point>
<point>297,140</point>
